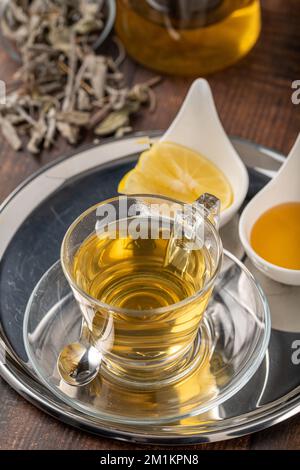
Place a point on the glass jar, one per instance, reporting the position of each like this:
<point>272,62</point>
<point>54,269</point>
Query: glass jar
<point>188,37</point>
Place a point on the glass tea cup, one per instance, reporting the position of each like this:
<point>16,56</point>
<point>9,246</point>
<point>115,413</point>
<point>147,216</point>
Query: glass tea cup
<point>142,269</point>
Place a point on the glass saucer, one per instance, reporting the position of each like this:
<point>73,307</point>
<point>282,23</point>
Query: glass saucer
<point>233,337</point>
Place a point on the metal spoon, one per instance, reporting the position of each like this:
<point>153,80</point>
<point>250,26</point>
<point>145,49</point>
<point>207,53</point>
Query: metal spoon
<point>78,365</point>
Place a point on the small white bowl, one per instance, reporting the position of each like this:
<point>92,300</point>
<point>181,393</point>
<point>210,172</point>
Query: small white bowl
<point>285,187</point>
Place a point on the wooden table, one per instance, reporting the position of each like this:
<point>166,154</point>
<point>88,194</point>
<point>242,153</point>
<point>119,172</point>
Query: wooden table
<point>254,101</point>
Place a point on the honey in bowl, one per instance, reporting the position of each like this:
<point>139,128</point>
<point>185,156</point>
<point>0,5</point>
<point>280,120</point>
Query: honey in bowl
<point>275,236</point>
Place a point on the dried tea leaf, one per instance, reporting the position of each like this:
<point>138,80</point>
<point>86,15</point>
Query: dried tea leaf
<point>26,116</point>
<point>68,103</point>
<point>78,118</point>
<point>60,39</point>
<point>144,94</point>
<point>83,100</point>
<point>133,106</point>
<point>18,13</point>
<point>87,25</point>
<point>17,35</point>
<point>113,122</point>
<point>37,135</point>
<point>99,115</point>
<point>69,132</point>
<point>10,134</point>
<point>118,98</point>
<point>123,131</point>
<point>51,128</point>
<point>35,26</point>
<point>97,68</point>
<point>79,82</point>
<point>46,88</point>
<point>139,92</point>
<point>90,9</point>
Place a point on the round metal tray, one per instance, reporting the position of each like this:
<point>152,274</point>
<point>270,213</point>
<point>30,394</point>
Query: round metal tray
<point>33,221</point>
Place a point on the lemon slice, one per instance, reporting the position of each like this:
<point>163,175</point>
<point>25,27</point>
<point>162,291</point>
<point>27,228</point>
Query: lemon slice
<point>178,172</point>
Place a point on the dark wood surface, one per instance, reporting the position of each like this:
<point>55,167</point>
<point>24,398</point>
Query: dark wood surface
<point>254,101</point>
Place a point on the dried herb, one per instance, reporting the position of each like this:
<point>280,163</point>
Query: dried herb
<point>70,133</point>
<point>62,85</point>
<point>114,121</point>
<point>51,127</point>
<point>10,134</point>
<point>38,132</point>
<point>78,118</point>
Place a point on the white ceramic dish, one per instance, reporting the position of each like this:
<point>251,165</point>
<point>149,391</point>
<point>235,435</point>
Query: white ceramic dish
<point>285,187</point>
<point>197,125</point>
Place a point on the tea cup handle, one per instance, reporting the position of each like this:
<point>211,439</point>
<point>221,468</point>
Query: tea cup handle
<point>211,205</point>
